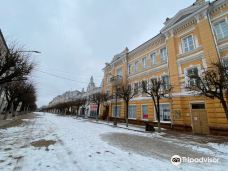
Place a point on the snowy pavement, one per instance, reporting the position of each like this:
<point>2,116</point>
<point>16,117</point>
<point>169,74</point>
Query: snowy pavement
<point>79,144</point>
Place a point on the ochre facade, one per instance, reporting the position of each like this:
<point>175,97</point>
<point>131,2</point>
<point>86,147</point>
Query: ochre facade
<point>190,41</point>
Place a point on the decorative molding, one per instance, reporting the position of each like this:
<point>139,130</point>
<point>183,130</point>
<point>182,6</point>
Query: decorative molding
<point>192,57</point>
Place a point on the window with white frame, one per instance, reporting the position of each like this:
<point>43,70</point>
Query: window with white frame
<point>136,66</point>
<point>191,73</point>
<point>163,53</point>
<point>225,61</point>
<point>132,112</point>
<point>144,62</point>
<point>144,112</point>
<point>188,43</point>
<point>116,111</point>
<point>221,29</point>
<point>119,72</point>
<point>164,112</point>
<point>146,84</point>
<point>153,58</point>
<point>129,69</point>
<point>165,80</point>
<point>136,87</point>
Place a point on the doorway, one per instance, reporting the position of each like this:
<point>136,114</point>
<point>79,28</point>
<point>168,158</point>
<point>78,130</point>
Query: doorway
<point>199,118</point>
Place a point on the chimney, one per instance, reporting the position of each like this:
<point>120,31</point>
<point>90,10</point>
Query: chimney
<point>198,2</point>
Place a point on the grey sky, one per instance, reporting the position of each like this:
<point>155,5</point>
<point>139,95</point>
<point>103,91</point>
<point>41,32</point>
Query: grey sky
<point>77,37</point>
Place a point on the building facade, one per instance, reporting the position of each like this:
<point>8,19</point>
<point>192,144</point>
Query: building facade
<point>188,43</point>
<point>3,51</point>
<point>87,110</point>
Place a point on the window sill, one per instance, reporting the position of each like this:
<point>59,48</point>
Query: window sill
<point>163,121</point>
<point>223,40</point>
<point>184,54</point>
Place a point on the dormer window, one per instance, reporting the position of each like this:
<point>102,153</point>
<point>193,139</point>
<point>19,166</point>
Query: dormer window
<point>188,44</point>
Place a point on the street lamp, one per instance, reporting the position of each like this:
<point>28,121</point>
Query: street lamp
<point>31,51</point>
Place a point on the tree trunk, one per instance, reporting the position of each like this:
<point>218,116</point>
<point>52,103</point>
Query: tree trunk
<point>224,105</point>
<point>12,109</point>
<point>158,115</point>
<point>126,116</point>
<point>98,108</point>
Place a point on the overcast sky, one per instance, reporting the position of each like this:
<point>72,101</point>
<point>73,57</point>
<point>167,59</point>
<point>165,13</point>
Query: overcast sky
<point>77,37</point>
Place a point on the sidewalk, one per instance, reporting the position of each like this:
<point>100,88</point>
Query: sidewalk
<point>170,134</point>
<point>13,121</point>
<point>133,127</point>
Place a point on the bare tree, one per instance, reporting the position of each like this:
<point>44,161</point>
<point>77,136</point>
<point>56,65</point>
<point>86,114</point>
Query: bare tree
<point>78,103</point>
<point>157,88</point>
<point>213,83</point>
<point>98,98</point>
<point>126,93</point>
<point>15,66</point>
<point>20,91</point>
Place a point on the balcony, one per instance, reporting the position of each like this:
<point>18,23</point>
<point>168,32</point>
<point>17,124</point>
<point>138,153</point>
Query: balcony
<point>116,80</point>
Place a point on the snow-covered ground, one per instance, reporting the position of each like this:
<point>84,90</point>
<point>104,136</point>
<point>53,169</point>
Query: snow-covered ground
<point>84,145</point>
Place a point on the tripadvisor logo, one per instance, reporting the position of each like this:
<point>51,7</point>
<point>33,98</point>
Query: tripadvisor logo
<point>176,160</point>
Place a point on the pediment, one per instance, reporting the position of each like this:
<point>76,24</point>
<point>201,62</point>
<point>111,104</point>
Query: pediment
<point>182,14</point>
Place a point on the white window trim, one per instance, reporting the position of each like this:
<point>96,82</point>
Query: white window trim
<point>136,69</point>
<point>142,112</point>
<point>155,116</point>
<point>144,66</point>
<point>216,22</point>
<point>135,111</point>
<point>155,58</point>
<point>166,54</point>
<point>121,71</point>
<point>113,114</point>
<point>186,78</point>
<point>129,69</point>
<point>182,44</point>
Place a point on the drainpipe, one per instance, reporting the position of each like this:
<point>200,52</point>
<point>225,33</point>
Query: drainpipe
<point>212,30</point>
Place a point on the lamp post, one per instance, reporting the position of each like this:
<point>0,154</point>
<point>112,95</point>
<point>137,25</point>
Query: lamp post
<point>30,51</point>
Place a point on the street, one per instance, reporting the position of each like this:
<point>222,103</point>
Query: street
<point>52,142</point>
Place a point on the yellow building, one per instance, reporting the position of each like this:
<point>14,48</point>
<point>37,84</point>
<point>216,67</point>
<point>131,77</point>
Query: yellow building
<point>188,42</point>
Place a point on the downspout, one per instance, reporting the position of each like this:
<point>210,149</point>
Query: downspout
<point>212,30</point>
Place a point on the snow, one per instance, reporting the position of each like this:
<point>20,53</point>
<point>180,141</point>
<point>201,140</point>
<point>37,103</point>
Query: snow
<point>78,147</point>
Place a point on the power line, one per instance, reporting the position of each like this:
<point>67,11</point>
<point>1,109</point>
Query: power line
<point>61,77</point>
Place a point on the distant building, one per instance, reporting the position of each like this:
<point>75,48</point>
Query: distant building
<point>90,109</point>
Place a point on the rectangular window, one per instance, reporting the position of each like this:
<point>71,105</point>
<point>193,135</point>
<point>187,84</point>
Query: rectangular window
<point>146,84</point>
<point>191,72</point>
<point>132,112</point>
<point>198,106</point>
<point>136,66</point>
<point>163,52</point>
<point>144,62</point>
<point>164,112</point>
<point>114,114</point>
<point>136,87</point>
<point>119,72</point>
<point>165,81</point>
<point>188,43</point>
<point>129,69</point>
<point>153,58</point>
<point>225,62</point>
<point>144,112</point>
<point>221,29</point>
